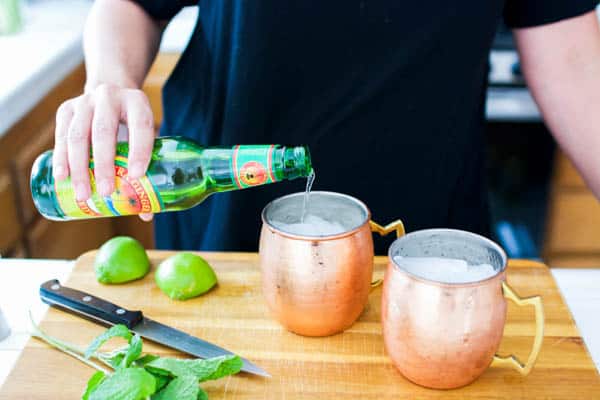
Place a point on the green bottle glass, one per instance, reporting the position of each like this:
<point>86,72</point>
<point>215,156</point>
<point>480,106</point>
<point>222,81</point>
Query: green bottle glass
<point>181,175</point>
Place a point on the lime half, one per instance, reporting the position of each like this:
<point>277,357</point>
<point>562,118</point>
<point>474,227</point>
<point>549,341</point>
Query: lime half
<point>121,259</point>
<point>185,275</point>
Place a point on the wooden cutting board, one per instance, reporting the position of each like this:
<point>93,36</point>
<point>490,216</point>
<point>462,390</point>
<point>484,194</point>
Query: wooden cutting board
<point>350,365</point>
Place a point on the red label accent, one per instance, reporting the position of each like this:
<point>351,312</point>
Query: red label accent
<point>253,173</point>
<point>236,150</point>
<point>270,163</point>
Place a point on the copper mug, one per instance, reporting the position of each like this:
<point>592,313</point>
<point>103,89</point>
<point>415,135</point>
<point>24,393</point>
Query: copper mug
<point>318,285</point>
<point>445,335</point>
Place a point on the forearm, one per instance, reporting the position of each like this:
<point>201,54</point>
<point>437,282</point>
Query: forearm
<point>562,66</point>
<point>120,43</point>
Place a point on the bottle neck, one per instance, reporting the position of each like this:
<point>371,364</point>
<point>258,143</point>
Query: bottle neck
<point>292,162</point>
<point>247,166</point>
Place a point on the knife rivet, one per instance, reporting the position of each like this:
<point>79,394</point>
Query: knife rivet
<point>87,298</point>
<point>55,287</point>
<point>120,311</point>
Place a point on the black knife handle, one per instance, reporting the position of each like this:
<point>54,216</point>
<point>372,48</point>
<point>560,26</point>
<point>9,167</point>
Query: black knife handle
<point>55,294</point>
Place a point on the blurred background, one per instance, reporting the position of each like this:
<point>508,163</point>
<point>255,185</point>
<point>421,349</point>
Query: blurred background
<point>540,206</point>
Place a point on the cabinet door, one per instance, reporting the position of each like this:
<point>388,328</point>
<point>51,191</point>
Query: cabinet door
<point>67,239</point>
<point>17,252</point>
<point>565,174</point>
<point>157,76</point>
<point>39,143</point>
<point>10,229</point>
<point>573,220</point>
<point>136,228</point>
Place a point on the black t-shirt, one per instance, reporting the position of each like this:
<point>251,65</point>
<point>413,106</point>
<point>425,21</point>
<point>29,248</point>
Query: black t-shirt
<point>388,95</point>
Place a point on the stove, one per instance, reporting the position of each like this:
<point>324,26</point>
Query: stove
<point>508,99</point>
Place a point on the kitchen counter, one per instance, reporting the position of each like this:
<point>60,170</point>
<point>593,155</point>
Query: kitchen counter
<point>19,284</point>
<point>40,56</point>
<point>20,280</point>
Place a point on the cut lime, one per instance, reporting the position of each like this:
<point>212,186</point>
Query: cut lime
<point>185,275</point>
<point>121,259</point>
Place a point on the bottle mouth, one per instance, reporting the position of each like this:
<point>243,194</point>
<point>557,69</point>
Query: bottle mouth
<point>297,162</point>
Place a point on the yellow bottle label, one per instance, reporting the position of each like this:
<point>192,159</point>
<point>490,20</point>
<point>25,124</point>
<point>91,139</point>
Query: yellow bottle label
<point>131,196</point>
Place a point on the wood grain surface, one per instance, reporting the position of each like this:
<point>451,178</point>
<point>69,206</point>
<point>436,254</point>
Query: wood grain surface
<point>350,365</point>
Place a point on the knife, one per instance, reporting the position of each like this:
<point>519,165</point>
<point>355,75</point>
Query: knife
<point>106,313</point>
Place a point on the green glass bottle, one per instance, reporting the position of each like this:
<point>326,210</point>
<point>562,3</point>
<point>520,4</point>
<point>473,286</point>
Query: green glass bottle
<point>181,175</point>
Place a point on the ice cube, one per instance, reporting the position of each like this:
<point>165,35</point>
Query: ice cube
<point>447,270</point>
<point>313,226</point>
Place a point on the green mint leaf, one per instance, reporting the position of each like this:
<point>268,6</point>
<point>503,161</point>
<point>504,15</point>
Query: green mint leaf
<point>145,359</point>
<point>94,381</point>
<point>203,370</point>
<point>180,388</point>
<point>116,360</point>
<point>161,381</point>
<point>113,358</point>
<point>202,395</point>
<point>125,384</point>
<point>228,365</point>
<point>115,331</point>
<point>133,352</point>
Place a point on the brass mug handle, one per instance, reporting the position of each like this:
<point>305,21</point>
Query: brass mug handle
<point>397,226</point>
<point>512,360</point>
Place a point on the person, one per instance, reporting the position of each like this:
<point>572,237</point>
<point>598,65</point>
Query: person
<point>388,95</point>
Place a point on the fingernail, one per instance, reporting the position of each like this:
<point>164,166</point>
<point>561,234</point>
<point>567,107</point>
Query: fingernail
<point>136,171</point>
<point>103,187</point>
<point>146,217</point>
<point>81,192</point>
<point>59,172</point>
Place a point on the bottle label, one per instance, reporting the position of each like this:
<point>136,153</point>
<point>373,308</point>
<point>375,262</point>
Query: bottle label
<point>252,165</point>
<point>131,196</point>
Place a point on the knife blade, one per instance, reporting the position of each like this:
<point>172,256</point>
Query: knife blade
<point>107,313</point>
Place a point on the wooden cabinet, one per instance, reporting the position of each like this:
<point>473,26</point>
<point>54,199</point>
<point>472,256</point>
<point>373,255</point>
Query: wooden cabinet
<point>22,227</point>
<point>573,233</point>
<point>23,232</point>
<point>157,77</point>
<point>44,140</point>
<point>10,227</point>
<point>49,239</point>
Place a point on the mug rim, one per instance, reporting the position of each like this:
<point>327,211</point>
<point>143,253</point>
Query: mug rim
<point>290,235</point>
<point>472,235</point>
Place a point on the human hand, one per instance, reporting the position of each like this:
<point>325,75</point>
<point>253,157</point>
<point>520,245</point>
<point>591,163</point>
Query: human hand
<point>93,118</point>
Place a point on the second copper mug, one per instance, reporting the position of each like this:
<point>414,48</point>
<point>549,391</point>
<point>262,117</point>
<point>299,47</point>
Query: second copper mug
<point>445,335</point>
<point>318,285</point>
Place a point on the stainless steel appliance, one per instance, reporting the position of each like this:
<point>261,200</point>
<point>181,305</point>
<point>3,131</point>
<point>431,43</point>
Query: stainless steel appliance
<point>520,153</point>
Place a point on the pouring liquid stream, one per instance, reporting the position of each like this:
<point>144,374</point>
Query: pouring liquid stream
<point>309,182</point>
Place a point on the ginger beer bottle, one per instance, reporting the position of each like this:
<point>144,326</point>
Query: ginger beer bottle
<point>181,175</point>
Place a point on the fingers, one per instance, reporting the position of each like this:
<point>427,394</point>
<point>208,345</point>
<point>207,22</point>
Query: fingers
<point>105,124</point>
<point>78,153</point>
<point>60,163</point>
<point>95,117</point>
<point>141,131</point>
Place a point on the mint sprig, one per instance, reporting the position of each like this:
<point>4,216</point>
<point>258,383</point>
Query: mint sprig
<point>125,384</point>
<point>116,331</point>
<point>94,381</point>
<point>202,370</point>
<point>181,388</point>
<point>141,377</point>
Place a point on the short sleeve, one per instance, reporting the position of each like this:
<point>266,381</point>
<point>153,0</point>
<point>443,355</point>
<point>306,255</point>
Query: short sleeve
<point>164,9</point>
<point>527,13</point>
